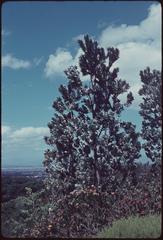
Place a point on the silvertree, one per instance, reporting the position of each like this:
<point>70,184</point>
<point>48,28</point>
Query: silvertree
<point>151,113</point>
<point>89,144</point>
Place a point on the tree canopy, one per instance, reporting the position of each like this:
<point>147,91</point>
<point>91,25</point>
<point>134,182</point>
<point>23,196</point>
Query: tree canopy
<point>89,144</point>
<point>151,113</point>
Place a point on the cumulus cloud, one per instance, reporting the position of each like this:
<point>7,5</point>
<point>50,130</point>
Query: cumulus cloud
<point>28,132</point>
<point>23,146</point>
<point>27,136</point>
<point>12,62</point>
<point>58,62</point>
<point>139,45</point>
<point>147,31</point>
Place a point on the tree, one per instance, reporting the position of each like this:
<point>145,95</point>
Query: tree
<point>151,113</point>
<point>89,144</point>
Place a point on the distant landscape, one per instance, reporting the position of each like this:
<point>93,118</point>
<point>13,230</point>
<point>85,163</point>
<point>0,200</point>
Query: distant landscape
<point>14,180</point>
<point>21,168</point>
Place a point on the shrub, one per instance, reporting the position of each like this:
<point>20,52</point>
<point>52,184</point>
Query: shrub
<point>142,199</point>
<point>21,215</point>
<point>85,211</point>
<point>81,213</point>
<point>13,216</point>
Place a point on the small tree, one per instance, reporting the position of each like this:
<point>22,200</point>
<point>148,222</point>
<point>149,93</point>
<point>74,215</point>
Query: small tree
<point>151,113</point>
<point>89,143</point>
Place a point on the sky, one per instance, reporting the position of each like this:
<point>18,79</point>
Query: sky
<point>39,41</point>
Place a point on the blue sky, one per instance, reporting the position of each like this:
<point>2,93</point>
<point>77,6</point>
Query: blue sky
<point>39,41</point>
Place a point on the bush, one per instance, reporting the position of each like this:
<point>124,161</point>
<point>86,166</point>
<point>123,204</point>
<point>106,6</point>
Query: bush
<point>13,216</point>
<point>141,199</point>
<point>19,216</point>
<point>83,212</point>
<point>79,214</point>
<point>134,227</point>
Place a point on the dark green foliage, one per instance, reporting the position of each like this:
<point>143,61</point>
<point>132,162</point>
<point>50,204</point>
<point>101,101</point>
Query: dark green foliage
<point>14,213</point>
<point>151,113</point>
<point>20,216</point>
<point>14,185</point>
<point>89,144</point>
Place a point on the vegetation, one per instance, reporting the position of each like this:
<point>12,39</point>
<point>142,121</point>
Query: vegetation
<point>12,216</point>
<point>21,214</point>
<point>93,178</point>
<point>151,113</point>
<point>134,227</point>
<point>89,144</point>
<point>83,212</point>
<point>13,186</point>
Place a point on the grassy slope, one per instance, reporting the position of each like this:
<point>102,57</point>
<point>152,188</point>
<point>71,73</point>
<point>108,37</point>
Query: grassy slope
<point>134,227</point>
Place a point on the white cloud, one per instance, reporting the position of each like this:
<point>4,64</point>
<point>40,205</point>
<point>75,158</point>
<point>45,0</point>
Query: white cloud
<point>139,45</point>
<point>147,31</point>
<point>14,63</point>
<point>26,136</point>
<point>27,133</point>
<point>23,146</point>
<point>58,62</point>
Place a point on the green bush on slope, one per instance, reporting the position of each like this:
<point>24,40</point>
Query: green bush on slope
<point>134,227</point>
<point>21,214</point>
